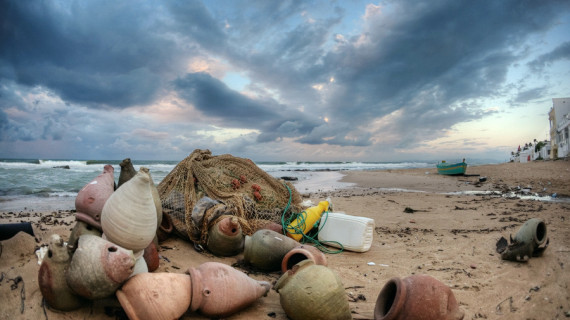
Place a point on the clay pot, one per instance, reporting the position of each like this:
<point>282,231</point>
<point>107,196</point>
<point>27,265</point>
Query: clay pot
<point>265,249</point>
<point>92,197</point>
<point>219,290</point>
<point>416,297</point>
<point>225,238</point>
<point>165,228</point>
<point>310,291</point>
<point>272,226</point>
<point>80,229</point>
<point>98,267</point>
<point>533,231</point>
<point>129,216</point>
<point>51,278</point>
<point>531,240</point>
<point>127,171</point>
<point>156,296</point>
<point>151,257</point>
<point>300,253</point>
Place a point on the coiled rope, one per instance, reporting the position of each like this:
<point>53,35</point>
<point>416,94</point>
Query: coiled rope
<point>311,237</point>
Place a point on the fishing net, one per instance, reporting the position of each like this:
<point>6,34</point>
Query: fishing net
<point>203,188</point>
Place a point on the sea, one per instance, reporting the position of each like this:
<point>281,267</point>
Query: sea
<point>42,185</point>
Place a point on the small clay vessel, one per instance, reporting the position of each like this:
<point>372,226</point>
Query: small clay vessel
<point>310,291</point>
<point>156,296</point>
<point>98,267</point>
<point>219,290</point>
<point>300,253</point>
<point>272,226</point>
<point>165,228</point>
<point>80,229</point>
<point>92,197</point>
<point>129,215</point>
<point>127,171</point>
<point>531,240</point>
<point>265,249</point>
<point>225,238</point>
<point>151,257</point>
<point>51,278</point>
<point>416,297</point>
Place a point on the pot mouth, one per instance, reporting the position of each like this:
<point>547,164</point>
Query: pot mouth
<point>390,300</point>
<point>540,232</point>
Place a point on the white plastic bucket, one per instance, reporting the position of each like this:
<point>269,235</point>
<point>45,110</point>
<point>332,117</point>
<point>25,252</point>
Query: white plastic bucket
<point>353,232</point>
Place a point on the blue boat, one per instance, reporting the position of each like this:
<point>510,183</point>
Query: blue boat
<point>452,169</point>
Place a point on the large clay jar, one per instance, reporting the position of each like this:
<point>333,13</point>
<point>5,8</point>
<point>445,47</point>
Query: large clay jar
<point>93,196</point>
<point>129,216</point>
<point>225,238</point>
<point>51,278</point>
<point>416,297</point>
<point>156,296</point>
<point>265,249</point>
<point>310,291</point>
<point>219,290</point>
<point>127,171</point>
<point>80,229</point>
<point>98,267</point>
<point>300,253</point>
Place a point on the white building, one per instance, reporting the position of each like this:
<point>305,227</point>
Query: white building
<point>559,117</point>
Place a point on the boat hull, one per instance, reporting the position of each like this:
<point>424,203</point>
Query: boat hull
<point>451,169</point>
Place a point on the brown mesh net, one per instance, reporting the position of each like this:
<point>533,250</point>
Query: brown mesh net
<point>236,186</point>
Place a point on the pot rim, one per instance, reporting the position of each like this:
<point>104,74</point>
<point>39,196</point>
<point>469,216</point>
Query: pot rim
<point>396,303</point>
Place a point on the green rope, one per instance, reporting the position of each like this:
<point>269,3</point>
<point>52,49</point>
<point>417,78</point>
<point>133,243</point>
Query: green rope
<point>300,228</point>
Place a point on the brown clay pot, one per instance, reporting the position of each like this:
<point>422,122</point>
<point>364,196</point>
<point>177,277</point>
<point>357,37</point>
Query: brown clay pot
<point>80,229</point>
<point>219,290</point>
<point>310,291</point>
<point>300,253</point>
<point>98,267</point>
<point>272,226</point>
<point>165,229</point>
<point>225,238</point>
<point>51,278</point>
<point>92,197</point>
<point>156,296</point>
<point>127,171</point>
<point>265,249</point>
<point>151,257</point>
<point>416,297</point>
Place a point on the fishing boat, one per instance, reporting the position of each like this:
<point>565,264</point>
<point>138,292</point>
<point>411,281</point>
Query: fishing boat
<point>452,169</point>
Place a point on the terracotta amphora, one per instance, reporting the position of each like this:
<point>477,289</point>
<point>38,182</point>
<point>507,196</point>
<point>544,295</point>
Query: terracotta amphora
<point>225,238</point>
<point>98,267</point>
<point>310,291</point>
<point>416,297</point>
<point>300,253</point>
<point>265,249</point>
<point>156,296</point>
<point>92,197</point>
<point>151,257</point>
<point>129,216</point>
<point>127,171</point>
<point>80,229</point>
<point>51,278</point>
<point>219,290</point>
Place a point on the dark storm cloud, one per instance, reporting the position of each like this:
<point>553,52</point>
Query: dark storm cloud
<point>562,52</point>
<point>91,52</point>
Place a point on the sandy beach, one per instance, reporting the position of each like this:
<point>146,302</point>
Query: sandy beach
<point>451,235</point>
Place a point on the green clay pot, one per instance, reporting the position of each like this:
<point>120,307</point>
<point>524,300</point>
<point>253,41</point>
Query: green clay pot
<point>225,238</point>
<point>310,291</point>
<point>530,240</point>
<point>265,249</point>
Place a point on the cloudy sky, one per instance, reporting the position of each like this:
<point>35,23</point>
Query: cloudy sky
<point>279,80</point>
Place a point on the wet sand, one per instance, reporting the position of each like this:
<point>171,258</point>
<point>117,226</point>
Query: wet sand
<point>451,236</point>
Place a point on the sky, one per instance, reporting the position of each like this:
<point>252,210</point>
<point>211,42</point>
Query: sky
<point>279,80</point>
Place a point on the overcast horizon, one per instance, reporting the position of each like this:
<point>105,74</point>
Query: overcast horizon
<point>280,81</point>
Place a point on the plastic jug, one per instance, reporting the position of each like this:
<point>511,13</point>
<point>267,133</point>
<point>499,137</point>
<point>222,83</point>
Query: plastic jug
<point>353,232</point>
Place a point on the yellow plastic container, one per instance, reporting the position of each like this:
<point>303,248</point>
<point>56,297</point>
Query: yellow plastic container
<point>306,220</point>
